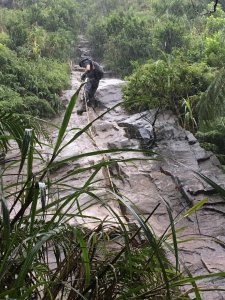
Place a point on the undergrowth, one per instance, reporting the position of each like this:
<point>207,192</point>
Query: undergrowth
<point>47,254</point>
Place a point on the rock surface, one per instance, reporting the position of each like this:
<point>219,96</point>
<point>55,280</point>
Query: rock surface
<point>166,176</point>
<point>170,178</point>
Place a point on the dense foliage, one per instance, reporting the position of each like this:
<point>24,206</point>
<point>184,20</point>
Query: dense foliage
<point>166,84</point>
<point>37,41</point>
<point>129,40</point>
<point>171,52</point>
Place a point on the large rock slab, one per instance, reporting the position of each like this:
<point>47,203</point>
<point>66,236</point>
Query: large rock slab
<point>168,176</point>
<point>174,179</point>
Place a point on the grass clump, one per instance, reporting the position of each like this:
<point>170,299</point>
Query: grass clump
<point>45,256</point>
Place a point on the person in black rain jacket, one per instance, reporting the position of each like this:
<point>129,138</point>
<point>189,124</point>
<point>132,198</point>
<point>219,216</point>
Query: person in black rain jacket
<point>92,75</point>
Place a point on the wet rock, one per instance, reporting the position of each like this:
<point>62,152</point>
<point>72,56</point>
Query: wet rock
<point>126,143</point>
<point>109,92</point>
<point>191,138</point>
<point>137,127</point>
<point>200,153</point>
<point>166,131</point>
<point>105,126</point>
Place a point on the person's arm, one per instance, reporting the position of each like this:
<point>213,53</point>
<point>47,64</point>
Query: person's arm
<point>87,70</point>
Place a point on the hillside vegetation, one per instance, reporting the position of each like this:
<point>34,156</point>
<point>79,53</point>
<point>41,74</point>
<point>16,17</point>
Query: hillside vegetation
<point>172,54</point>
<point>37,42</point>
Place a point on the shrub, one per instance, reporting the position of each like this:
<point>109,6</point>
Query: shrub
<point>31,85</point>
<point>121,39</point>
<point>165,84</point>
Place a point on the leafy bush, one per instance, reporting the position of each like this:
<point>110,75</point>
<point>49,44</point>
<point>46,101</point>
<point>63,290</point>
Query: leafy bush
<point>165,84</point>
<point>169,33</point>
<point>31,85</point>
<point>35,40</point>
<point>121,38</point>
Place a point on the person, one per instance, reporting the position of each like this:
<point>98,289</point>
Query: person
<point>93,74</point>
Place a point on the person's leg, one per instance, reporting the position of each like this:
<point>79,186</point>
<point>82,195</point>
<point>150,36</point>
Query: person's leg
<point>82,106</point>
<point>84,100</point>
<point>88,91</point>
<point>92,88</point>
<point>95,85</point>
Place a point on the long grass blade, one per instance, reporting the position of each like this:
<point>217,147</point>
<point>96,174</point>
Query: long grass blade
<point>5,212</point>
<point>25,148</point>
<point>174,235</point>
<point>85,256</point>
<point>30,258</point>
<point>85,129</point>
<point>151,239</point>
<point>194,208</point>
<point>197,278</point>
<point>100,152</point>
<point>217,188</point>
<point>6,220</point>
<point>66,120</point>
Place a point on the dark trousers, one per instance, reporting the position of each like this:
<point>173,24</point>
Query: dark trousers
<point>90,89</point>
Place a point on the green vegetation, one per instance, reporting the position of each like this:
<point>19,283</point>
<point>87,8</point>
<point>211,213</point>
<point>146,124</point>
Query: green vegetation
<point>173,59</point>
<point>170,52</point>
<point>37,41</point>
<point>43,256</point>
<point>178,80</point>
<point>129,40</point>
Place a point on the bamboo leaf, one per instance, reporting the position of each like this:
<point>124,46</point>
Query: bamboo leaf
<point>85,256</point>
<point>30,257</point>
<point>193,209</point>
<point>25,148</point>
<point>66,120</point>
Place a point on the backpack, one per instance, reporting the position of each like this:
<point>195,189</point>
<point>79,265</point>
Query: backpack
<point>98,70</point>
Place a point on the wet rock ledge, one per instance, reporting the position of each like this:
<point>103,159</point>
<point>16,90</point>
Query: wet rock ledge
<point>171,177</point>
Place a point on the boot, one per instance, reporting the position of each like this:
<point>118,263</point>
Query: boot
<point>80,111</point>
<point>92,102</point>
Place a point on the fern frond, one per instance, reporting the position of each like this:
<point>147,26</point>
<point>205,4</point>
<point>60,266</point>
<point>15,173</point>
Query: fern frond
<point>12,126</point>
